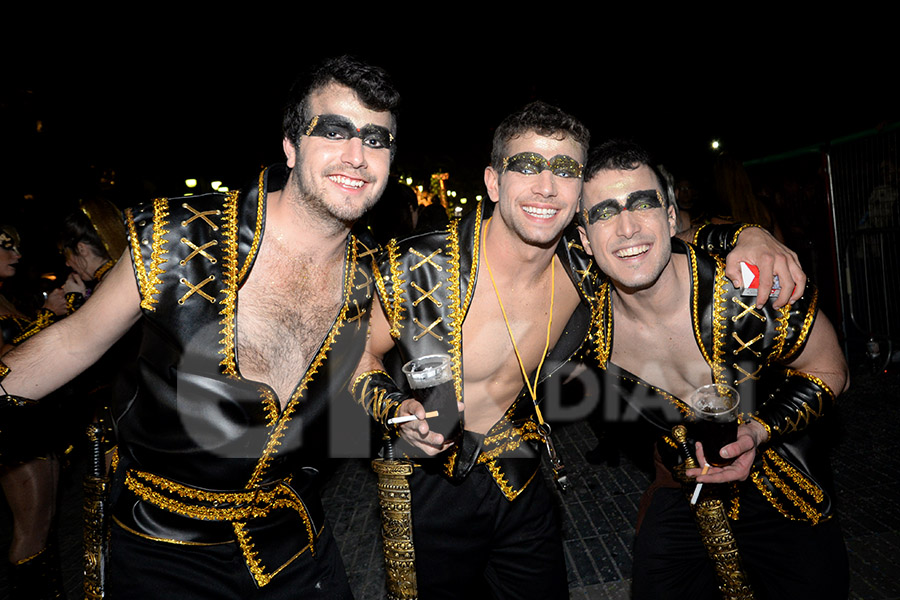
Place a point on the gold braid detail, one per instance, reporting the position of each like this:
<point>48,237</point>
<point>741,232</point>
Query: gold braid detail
<point>791,494</point>
<point>270,404</point>
<point>158,252</point>
<point>804,330</point>
<point>394,312</point>
<point>807,486</point>
<point>137,259</point>
<point>257,231</point>
<point>604,337</point>
<point>377,406</point>
<point>229,299</point>
<point>45,318</point>
<point>457,308</point>
<point>505,486</point>
<point>718,348</point>
<point>279,431</point>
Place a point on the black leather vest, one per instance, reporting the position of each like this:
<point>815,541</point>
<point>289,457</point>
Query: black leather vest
<point>744,347</point>
<point>425,284</point>
<point>194,420</point>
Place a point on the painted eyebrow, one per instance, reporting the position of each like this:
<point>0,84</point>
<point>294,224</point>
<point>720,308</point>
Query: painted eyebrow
<point>642,196</point>
<point>631,200</point>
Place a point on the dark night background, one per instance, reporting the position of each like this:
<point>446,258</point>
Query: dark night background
<point>158,110</point>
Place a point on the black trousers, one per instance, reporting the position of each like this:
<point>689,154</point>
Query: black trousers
<point>783,558</point>
<point>471,542</point>
<point>146,569</point>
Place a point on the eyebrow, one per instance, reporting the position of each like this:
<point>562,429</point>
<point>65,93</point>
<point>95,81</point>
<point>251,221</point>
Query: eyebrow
<point>630,200</point>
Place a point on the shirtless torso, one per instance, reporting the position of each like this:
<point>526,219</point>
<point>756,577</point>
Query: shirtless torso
<point>285,309</point>
<point>492,377</point>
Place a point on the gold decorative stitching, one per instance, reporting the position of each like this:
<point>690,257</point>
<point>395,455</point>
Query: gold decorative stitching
<point>427,295</point>
<point>138,259</point>
<point>805,328</point>
<point>158,252</point>
<point>748,376</point>
<point>502,482</point>
<point>394,312</point>
<point>801,504</point>
<point>808,486</point>
<point>746,345</point>
<point>427,329</point>
<point>280,429</point>
<point>426,259</point>
<point>229,298</point>
<point>201,250</point>
<point>201,215</point>
<point>270,404</point>
<point>195,289</point>
<point>257,230</point>
<point>748,309</point>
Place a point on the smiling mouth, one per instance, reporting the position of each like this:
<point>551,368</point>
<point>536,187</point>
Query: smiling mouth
<point>540,213</point>
<point>348,182</point>
<point>633,251</point>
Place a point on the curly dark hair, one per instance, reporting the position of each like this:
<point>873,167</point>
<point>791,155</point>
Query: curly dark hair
<point>624,155</point>
<point>372,84</point>
<point>541,118</point>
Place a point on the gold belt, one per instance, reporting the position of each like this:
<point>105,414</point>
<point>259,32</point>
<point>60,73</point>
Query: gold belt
<point>235,507</point>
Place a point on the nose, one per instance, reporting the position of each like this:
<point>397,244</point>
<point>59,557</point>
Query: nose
<point>627,224</point>
<point>545,184</point>
<point>354,153</point>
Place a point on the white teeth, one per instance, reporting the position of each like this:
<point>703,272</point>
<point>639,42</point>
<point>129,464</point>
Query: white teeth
<point>346,181</point>
<point>633,251</point>
<point>541,213</point>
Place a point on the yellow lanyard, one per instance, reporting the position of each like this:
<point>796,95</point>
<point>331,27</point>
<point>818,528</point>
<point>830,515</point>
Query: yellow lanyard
<point>532,387</point>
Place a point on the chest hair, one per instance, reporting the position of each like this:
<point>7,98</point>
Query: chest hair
<point>285,309</point>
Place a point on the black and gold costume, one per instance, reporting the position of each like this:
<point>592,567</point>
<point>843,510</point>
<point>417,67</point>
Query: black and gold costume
<point>425,286</point>
<point>215,486</point>
<point>786,502</point>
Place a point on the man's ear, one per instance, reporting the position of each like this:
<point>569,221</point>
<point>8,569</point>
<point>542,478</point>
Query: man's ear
<point>492,183</point>
<point>673,221</point>
<point>584,240</point>
<point>290,152</point>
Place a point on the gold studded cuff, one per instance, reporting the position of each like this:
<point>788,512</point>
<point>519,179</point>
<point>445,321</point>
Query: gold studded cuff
<point>379,395</point>
<point>797,402</point>
<point>719,239</point>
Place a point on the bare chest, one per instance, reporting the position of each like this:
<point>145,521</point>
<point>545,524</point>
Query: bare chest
<point>663,353</point>
<point>494,344</point>
<point>285,310</point>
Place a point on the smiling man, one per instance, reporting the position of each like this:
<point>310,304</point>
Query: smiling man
<point>249,303</point>
<point>680,324</point>
<point>505,292</point>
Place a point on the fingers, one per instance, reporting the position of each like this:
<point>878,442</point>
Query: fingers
<point>766,266</point>
<point>417,433</point>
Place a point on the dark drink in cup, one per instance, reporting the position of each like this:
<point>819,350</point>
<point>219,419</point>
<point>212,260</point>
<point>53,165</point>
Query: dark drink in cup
<point>715,411</point>
<point>431,380</point>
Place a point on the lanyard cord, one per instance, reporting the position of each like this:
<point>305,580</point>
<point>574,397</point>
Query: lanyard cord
<point>532,388</point>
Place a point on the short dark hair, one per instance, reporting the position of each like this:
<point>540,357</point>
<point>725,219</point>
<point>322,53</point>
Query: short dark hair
<point>540,118</point>
<point>372,84</point>
<point>624,155</point>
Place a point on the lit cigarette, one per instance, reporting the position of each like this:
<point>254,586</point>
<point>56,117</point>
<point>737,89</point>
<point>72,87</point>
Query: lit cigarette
<point>408,418</point>
<point>699,485</point>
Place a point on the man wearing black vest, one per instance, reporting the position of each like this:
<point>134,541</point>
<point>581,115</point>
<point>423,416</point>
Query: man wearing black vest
<point>670,321</point>
<point>254,307</point>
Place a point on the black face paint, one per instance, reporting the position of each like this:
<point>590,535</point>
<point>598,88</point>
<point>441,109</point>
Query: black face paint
<point>635,201</point>
<point>339,127</point>
<point>532,163</point>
